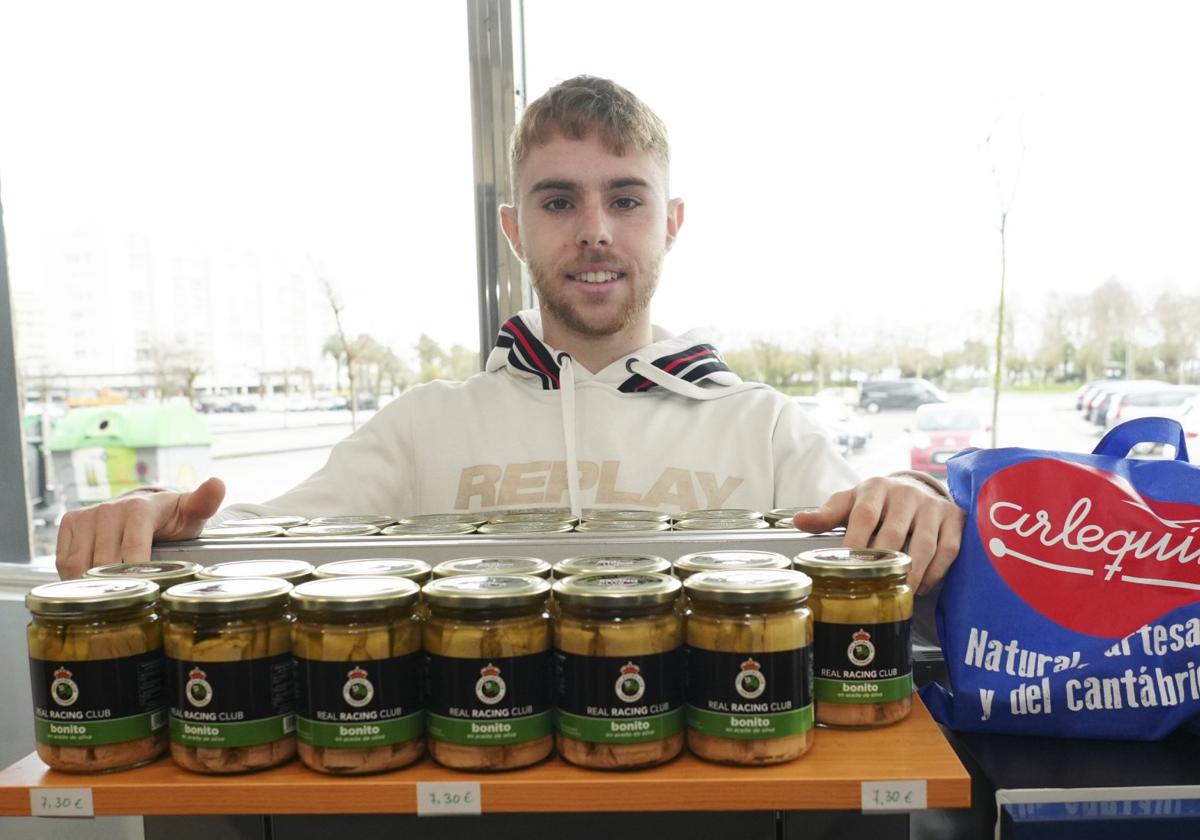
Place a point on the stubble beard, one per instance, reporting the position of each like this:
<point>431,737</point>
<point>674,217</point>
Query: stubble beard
<point>548,287</point>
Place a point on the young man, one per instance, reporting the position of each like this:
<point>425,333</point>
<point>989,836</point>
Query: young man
<point>583,401</point>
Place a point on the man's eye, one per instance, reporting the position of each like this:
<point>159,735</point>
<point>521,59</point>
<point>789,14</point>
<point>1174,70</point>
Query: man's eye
<point>626,203</point>
<point>557,204</point>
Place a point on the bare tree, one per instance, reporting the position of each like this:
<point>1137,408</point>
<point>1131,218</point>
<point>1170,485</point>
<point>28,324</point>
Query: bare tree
<point>336,306</point>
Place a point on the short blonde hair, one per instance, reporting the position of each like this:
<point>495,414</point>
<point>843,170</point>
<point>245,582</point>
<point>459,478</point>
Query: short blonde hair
<point>582,105</point>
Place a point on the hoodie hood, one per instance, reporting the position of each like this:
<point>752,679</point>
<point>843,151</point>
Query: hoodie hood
<point>673,362</point>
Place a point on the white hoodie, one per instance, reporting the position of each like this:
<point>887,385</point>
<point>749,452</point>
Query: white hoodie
<point>668,427</point>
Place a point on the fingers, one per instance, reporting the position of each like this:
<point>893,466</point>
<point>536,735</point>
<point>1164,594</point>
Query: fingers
<point>869,501</point>
<point>79,557</point>
<point>139,532</point>
<point>923,543</point>
<point>948,544</point>
<point>830,515</point>
<point>109,524</point>
<point>63,548</point>
<point>194,509</point>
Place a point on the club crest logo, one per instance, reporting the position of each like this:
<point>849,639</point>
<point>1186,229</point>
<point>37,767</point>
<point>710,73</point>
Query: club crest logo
<point>861,651</point>
<point>63,690</point>
<point>358,690</point>
<point>750,682</point>
<point>490,688</point>
<point>631,685</point>
<point>197,690</point>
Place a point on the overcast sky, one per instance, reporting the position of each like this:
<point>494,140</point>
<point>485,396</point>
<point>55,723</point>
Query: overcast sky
<point>834,158</point>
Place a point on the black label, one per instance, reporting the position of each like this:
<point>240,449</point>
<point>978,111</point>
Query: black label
<point>367,690</point>
<point>874,652</point>
<point>619,686</point>
<point>103,689</point>
<point>754,683</point>
<point>229,692</point>
<point>489,689</point>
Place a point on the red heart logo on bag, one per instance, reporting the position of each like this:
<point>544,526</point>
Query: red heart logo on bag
<point>1082,547</point>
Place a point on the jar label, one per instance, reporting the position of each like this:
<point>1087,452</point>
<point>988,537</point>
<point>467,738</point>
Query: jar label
<point>620,699</point>
<point>359,704</point>
<point>232,704</point>
<point>98,702</point>
<point>750,695</point>
<point>862,663</point>
<point>489,702</point>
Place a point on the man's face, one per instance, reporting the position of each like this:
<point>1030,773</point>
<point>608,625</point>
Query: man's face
<point>593,228</point>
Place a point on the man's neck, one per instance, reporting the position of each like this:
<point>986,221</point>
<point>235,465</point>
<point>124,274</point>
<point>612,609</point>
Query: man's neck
<point>595,352</point>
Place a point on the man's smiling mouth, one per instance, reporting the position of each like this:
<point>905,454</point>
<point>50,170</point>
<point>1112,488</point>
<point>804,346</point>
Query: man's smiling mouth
<point>596,276</point>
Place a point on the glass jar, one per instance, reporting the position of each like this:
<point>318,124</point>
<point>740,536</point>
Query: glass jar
<point>487,650</point>
<point>293,571</point>
<point>357,646</point>
<point>503,566</point>
<point>862,660</point>
<point>96,668</point>
<point>749,643</point>
<point>611,564</point>
<point>619,667</point>
<point>230,676</point>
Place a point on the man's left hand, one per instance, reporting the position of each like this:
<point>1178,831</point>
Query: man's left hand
<point>895,513</point>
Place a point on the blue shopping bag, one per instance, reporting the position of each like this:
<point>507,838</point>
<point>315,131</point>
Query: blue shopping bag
<point>1073,608</point>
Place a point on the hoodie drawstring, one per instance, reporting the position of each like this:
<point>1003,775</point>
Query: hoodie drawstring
<point>681,387</point>
<point>566,388</point>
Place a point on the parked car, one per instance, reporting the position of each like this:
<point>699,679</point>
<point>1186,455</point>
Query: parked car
<point>1099,404</point>
<point>942,430</point>
<point>879,394</point>
<point>848,430</point>
<point>1150,402</point>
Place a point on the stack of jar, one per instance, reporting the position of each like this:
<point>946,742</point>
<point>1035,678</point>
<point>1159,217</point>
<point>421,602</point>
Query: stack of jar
<point>360,664</point>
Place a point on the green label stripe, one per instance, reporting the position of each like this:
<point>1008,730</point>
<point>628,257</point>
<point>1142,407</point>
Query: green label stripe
<point>248,733</point>
<point>483,733</point>
<point>95,733</point>
<point>750,727</point>
<point>863,691</point>
<point>620,730</point>
<point>375,733</point>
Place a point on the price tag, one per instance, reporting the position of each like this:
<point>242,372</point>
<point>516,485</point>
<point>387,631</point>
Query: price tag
<point>438,799</point>
<point>60,802</point>
<point>894,796</point>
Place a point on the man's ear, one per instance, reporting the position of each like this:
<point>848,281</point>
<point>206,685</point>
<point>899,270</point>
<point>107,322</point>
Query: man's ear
<point>512,229</point>
<point>674,220</point>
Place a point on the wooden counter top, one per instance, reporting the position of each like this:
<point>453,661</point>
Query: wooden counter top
<point>830,776</point>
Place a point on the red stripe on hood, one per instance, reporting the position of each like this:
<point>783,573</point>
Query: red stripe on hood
<point>676,364</point>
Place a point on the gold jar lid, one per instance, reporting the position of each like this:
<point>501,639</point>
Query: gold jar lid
<point>354,594</point>
<point>611,564</point>
<point>447,530</point>
<point>89,596</point>
<point>164,572</point>
<point>293,571</point>
<point>749,587</point>
<point>710,561</point>
<point>272,521</point>
<point>230,595</point>
<point>621,526</point>
<point>347,529</point>
<point>551,516</point>
<point>539,526</point>
<point>493,566</point>
<point>616,592</point>
<point>613,515</point>
<point>425,520</point>
<point>399,567</point>
<point>736,524</point>
<point>779,514</point>
<point>720,513</point>
<point>376,519</point>
<point>853,563</point>
<point>241,532</point>
<point>486,592</point>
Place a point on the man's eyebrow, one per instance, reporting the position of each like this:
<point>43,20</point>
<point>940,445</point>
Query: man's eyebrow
<point>554,184</point>
<point>625,183</point>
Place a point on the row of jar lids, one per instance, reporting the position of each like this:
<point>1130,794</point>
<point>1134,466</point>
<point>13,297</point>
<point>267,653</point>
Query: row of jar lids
<point>501,582</point>
<point>525,521</point>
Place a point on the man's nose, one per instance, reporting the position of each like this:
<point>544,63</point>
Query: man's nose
<point>593,229</point>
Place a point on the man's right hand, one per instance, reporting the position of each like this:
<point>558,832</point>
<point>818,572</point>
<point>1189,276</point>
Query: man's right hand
<point>121,531</point>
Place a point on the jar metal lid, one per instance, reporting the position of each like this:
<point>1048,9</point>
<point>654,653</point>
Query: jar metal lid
<point>609,515</point>
<point>493,566</point>
<point>446,530</point>
<point>540,526</point>
<point>616,592</point>
<point>744,523</point>
<point>292,571</point>
<point>165,572</point>
<point>785,523</point>
<point>551,516</point>
<point>720,513</point>
<point>376,519</point>
<point>90,595</point>
<point>241,532</point>
<point>230,595</point>
<point>486,592</point>
<point>779,514</point>
<point>425,520</point>
<point>354,594</point>
<point>748,586</point>
<point>708,561</point>
<point>399,567</point>
<point>853,563</point>
<point>622,526</point>
<point>272,521</point>
<point>347,529</point>
<point>611,564</point>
